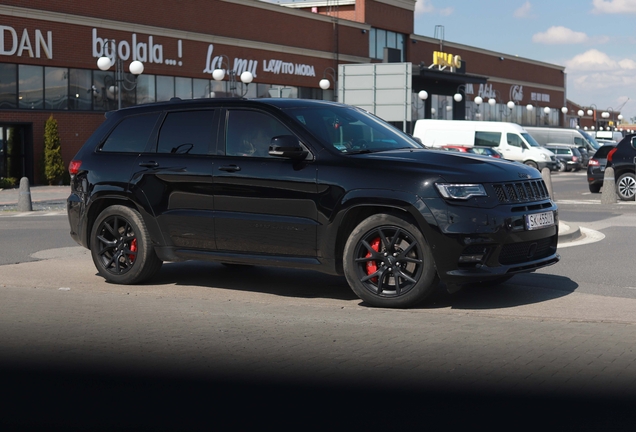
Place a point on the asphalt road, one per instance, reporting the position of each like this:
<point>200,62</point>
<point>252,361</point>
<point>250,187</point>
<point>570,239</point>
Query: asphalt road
<point>205,346</point>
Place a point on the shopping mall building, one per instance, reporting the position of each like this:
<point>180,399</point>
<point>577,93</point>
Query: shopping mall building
<point>49,52</point>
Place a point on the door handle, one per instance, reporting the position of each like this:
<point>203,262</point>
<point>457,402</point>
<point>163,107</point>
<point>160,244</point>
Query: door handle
<point>149,164</point>
<point>230,168</point>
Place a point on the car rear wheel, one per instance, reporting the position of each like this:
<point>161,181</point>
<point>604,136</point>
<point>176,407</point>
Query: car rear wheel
<point>595,188</point>
<point>626,187</point>
<point>121,248</point>
<point>388,263</point>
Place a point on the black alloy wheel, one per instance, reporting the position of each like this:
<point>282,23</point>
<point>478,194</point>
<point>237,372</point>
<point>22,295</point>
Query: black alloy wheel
<point>388,263</point>
<point>120,247</point>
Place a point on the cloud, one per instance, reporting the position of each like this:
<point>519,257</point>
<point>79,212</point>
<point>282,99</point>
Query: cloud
<point>594,60</point>
<point>614,6</point>
<point>523,11</point>
<point>558,35</point>
<point>426,7</point>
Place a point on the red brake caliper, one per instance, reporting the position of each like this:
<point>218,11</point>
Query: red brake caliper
<point>133,248</point>
<point>372,266</point>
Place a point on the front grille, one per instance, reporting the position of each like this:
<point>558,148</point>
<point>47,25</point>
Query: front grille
<point>516,253</point>
<point>522,191</point>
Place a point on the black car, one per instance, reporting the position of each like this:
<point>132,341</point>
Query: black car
<point>596,168</point>
<point>623,160</point>
<point>306,184</point>
<point>569,155</point>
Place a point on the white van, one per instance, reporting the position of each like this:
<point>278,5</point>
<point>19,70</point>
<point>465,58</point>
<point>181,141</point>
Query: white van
<point>508,138</point>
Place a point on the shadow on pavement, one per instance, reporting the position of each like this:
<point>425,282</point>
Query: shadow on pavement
<point>522,289</point>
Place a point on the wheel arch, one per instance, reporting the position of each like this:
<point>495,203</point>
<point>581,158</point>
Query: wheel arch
<point>99,205</point>
<point>406,206</point>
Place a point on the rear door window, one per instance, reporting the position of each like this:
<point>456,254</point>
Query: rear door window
<point>188,132</point>
<point>488,139</point>
<point>131,135</point>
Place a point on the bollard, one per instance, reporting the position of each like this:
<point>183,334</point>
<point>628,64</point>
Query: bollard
<point>608,193</point>
<point>24,198</point>
<point>547,179</point>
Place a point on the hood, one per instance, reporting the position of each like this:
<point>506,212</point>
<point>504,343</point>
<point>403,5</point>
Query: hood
<point>455,167</point>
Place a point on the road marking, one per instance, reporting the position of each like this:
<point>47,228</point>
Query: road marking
<point>32,213</point>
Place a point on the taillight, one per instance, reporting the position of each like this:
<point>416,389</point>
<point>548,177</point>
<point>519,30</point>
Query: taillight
<point>575,158</point>
<point>74,166</point>
<point>593,162</point>
<point>610,154</point>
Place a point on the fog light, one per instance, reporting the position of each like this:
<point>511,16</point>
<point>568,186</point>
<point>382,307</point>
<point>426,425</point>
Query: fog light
<point>470,258</point>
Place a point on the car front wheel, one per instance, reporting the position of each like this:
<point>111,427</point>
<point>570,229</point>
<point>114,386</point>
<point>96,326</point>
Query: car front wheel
<point>626,187</point>
<point>121,248</point>
<point>388,263</point>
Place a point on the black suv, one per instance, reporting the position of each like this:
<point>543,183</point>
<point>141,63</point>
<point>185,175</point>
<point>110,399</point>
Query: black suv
<point>306,184</point>
<point>623,160</point>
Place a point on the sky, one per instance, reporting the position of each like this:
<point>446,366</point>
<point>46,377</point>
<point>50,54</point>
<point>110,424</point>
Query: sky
<point>595,40</point>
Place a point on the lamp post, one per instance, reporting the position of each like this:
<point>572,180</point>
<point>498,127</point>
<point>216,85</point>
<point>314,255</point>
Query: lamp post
<point>510,105</point>
<point>105,62</point>
<point>547,111</point>
<point>325,83</point>
<point>218,74</point>
<point>564,110</point>
<point>478,101</point>
<point>529,109</point>
<point>423,95</point>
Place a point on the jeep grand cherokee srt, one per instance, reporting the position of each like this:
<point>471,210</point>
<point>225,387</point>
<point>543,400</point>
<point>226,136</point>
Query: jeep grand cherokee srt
<point>305,184</point>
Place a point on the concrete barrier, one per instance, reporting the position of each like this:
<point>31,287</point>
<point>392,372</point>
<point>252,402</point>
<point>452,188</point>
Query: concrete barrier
<point>547,179</point>
<point>608,195</point>
<point>24,197</point>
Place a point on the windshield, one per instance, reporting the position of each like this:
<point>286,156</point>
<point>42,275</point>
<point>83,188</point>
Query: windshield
<point>591,140</point>
<point>351,130</point>
<point>530,140</point>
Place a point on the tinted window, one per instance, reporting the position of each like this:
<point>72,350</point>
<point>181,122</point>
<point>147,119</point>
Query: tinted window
<point>489,139</point>
<point>188,132</point>
<point>249,133</point>
<point>131,135</point>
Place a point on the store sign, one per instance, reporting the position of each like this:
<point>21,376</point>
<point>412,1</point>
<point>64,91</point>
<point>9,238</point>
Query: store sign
<point>241,65</point>
<point>516,93</point>
<point>144,50</point>
<point>281,67</point>
<point>31,45</point>
<point>486,91</point>
<point>445,59</point>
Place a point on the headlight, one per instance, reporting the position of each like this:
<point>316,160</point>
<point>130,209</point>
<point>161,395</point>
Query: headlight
<point>460,191</point>
<point>545,156</point>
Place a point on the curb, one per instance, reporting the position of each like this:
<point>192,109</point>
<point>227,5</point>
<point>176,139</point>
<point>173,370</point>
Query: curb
<point>568,231</point>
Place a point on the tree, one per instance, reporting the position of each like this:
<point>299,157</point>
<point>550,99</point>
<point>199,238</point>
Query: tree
<point>53,163</point>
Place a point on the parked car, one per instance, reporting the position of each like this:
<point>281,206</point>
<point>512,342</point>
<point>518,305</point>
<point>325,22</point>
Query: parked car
<point>305,184</point>
<point>486,151</point>
<point>622,159</point>
<point>577,137</point>
<point>596,168</point>
<point>569,155</point>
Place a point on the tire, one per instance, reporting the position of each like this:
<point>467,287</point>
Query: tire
<point>532,164</point>
<point>626,187</point>
<point>562,167</point>
<point>595,188</point>
<point>377,247</point>
<point>121,248</point>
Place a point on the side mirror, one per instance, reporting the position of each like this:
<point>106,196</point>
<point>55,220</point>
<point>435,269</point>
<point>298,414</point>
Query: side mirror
<point>287,146</point>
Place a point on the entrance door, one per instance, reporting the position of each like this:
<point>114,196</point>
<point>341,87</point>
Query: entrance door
<point>16,156</point>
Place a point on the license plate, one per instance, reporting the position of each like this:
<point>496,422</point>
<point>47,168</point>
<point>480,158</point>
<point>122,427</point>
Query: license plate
<point>539,220</point>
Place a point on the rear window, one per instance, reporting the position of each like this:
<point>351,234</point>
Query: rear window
<point>131,134</point>
<point>602,152</point>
